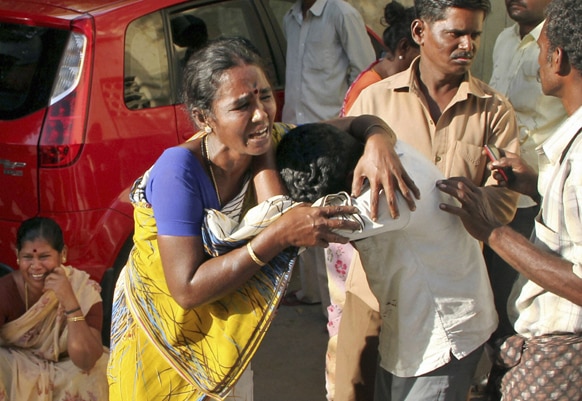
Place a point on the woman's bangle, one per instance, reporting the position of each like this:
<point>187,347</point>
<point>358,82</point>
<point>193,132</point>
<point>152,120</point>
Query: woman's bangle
<point>254,256</point>
<point>68,312</point>
<point>75,319</point>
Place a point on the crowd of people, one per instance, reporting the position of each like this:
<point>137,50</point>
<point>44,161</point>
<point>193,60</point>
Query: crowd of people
<point>378,167</point>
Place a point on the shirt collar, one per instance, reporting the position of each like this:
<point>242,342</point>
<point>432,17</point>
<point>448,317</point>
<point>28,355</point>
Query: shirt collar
<point>555,144</point>
<point>316,9</point>
<point>535,33</point>
<point>532,36</point>
<point>409,80</point>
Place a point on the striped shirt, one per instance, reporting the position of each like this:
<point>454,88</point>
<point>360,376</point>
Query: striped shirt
<point>558,229</point>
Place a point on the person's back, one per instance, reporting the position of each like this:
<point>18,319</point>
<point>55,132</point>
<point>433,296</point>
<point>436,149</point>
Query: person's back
<point>428,275</point>
<point>426,271</point>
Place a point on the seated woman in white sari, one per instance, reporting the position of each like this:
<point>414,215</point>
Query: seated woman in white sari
<point>50,323</point>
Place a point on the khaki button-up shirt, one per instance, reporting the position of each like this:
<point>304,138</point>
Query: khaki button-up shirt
<point>477,115</point>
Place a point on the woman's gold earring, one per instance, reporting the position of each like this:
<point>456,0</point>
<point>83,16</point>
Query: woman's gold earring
<point>207,129</point>
<point>17,261</point>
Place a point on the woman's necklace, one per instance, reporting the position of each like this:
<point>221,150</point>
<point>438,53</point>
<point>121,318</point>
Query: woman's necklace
<point>209,164</point>
<point>26,295</point>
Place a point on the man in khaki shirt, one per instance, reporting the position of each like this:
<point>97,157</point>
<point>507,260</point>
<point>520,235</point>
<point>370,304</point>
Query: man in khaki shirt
<point>448,115</point>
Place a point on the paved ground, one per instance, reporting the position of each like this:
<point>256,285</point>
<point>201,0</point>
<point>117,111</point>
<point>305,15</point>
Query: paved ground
<point>289,364</point>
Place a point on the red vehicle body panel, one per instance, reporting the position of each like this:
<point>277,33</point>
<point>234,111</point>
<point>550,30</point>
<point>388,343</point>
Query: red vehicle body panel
<point>89,197</point>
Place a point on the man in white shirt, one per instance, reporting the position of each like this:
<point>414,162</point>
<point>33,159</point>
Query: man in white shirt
<point>327,47</point>
<point>544,358</point>
<point>426,271</point>
<point>515,74</point>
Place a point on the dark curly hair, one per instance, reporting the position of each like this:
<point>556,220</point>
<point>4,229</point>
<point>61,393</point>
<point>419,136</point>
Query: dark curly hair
<point>398,20</point>
<point>40,227</point>
<point>434,10</point>
<point>207,65</point>
<point>316,159</point>
<point>564,29</point>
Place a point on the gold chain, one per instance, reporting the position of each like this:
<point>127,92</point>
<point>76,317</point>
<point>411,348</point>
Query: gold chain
<point>25,294</point>
<point>206,156</point>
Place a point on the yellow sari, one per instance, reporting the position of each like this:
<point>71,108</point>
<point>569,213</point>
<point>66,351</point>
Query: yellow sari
<point>162,351</point>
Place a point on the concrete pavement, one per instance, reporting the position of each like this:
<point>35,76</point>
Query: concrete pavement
<point>289,365</point>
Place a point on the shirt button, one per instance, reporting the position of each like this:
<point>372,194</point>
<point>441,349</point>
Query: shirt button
<point>437,159</point>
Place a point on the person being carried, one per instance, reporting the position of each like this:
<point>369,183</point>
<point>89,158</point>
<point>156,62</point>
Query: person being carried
<point>401,49</point>
<point>434,294</point>
<point>50,323</point>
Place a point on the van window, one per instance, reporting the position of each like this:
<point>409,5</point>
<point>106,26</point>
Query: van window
<point>147,82</point>
<point>226,18</point>
<point>29,59</point>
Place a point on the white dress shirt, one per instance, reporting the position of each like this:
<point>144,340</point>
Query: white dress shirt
<point>325,52</point>
<point>428,275</point>
<point>515,74</point>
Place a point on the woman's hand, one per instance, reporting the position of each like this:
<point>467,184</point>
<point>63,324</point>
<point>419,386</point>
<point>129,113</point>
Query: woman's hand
<point>311,226</point>
<point>194,280</point>
<point>58,282</point>
<point>83,341</point>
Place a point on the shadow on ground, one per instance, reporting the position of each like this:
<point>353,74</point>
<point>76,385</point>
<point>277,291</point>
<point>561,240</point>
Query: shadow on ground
<point>289,364</point>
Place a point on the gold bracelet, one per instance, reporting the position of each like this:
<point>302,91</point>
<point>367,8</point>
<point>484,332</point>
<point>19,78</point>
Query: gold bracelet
<point>76,319</point>
<point>254,256</point>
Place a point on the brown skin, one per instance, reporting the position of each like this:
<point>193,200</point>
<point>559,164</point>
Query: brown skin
<point>40,268</point>
<point>393,63</point>
<point>241,119</point>
<point>447,49</point>
<point>548,270</point>
<point>527,13</point>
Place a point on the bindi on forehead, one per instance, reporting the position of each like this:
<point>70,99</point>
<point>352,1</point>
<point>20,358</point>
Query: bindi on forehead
<point>34,250</point>
<point>256,91</point>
